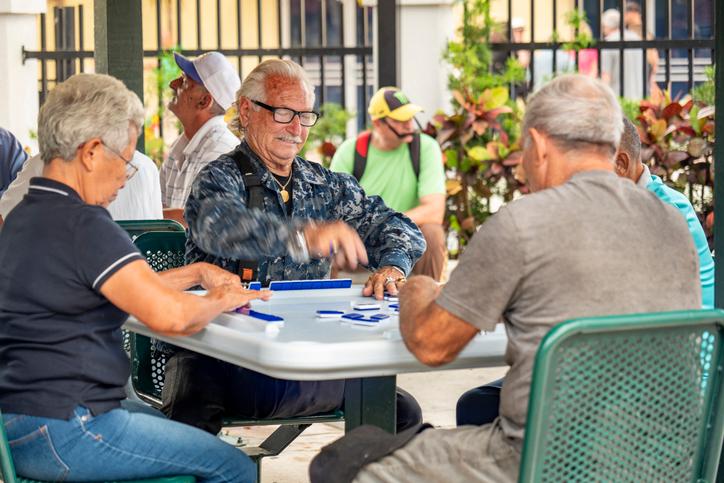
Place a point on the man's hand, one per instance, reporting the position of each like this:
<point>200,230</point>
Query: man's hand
<point>211,276</point>
<point>385,278</point>
<point>335,239</point>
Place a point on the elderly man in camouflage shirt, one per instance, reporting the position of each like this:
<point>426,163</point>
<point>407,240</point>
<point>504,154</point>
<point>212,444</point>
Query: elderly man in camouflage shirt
<point>264,213</point>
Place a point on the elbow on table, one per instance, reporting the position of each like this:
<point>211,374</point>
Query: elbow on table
<point>429,352</point>
<point>435,358</point>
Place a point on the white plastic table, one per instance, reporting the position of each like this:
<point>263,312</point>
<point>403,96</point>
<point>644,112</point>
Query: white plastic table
<point>309,348</point>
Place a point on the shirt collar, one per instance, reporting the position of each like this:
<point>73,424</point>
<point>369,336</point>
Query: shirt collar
<point>645,177</point>
<point>47,185</point>
<point>299,170</point>
<point>195,141</point>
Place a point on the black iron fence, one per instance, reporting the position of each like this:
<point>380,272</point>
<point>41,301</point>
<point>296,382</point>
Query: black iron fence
<point>669,46</point>
<point>309,31</point>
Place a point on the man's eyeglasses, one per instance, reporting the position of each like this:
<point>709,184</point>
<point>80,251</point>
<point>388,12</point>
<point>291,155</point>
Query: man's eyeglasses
<point>283,115</point>
<point>131,169</point>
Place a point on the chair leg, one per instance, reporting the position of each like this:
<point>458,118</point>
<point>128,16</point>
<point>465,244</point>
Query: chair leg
<point>281,438</point>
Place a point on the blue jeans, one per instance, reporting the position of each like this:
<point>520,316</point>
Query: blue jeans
<point>120,445</point>
<point>479,406</point>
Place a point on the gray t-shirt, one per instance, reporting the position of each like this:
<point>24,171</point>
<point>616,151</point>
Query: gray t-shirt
<point>596,245</point>
<point>633,67</point>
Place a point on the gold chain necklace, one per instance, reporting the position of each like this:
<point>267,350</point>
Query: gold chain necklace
<point>283,192</point>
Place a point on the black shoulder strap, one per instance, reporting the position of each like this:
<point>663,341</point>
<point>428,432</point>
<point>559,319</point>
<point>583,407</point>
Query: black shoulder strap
<point>252,181</point>
<point>415,154</point>
<point>248,269</point>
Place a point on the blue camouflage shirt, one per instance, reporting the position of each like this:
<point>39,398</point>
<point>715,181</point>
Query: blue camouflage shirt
<point>222,230</point>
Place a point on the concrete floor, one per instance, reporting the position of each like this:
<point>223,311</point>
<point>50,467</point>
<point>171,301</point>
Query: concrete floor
<point>437,393</point>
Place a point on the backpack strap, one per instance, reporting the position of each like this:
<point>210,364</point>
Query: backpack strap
<point>415,154</point>
<point>361,150</point>
<point>248,269</point>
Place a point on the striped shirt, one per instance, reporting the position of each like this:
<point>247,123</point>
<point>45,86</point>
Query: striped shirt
<point>188,157</point>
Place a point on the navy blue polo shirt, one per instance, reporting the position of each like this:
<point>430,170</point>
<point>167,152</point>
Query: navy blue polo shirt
<point>60,338</point>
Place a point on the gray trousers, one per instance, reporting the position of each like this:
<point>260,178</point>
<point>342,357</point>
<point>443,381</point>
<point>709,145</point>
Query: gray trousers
<point>468,453</point>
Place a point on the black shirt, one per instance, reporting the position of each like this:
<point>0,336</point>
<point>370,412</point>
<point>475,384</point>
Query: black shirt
<point>60,338</point>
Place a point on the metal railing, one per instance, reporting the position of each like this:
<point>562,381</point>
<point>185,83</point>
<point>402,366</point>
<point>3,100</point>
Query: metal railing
<point>321,54</point>
<point>682,52</point>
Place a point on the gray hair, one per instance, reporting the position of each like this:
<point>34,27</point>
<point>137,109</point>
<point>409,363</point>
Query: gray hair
<point>611,18</point>
<point>577,111</point>
<point>254,85</point>
<point>630,141</point>
<point>84,107</point>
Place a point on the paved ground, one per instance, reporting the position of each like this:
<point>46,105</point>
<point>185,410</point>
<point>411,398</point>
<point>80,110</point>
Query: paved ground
<point>437,393</point>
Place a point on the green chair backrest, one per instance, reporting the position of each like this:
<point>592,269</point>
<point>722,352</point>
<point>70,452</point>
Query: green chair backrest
<point>163,250</point>
<point>7,469</point>
<point>137,227</point>
<point>627,398</point>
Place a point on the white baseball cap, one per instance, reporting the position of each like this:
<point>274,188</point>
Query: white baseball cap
<point>215,73</point>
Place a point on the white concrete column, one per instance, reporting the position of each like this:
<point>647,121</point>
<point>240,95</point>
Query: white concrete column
<point>18,81</point>
<point>425,28</point>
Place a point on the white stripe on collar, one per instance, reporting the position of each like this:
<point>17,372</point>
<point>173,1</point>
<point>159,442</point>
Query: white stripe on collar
<point>45,188</point>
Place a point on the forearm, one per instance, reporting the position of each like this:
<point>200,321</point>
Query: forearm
<point>188,314</point>
<point>390,238</point>
<point>424,214</point>
<point>433,335</point>
<point>416,298</point>
<point>226,228</point>
<point>182,278</point>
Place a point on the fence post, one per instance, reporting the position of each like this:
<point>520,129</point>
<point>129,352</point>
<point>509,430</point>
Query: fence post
<point>719,156</point>
<point>387,44</point>
<point>119,44</point>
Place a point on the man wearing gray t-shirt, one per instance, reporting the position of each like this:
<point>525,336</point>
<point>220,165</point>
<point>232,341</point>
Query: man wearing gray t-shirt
<point>585,243</point>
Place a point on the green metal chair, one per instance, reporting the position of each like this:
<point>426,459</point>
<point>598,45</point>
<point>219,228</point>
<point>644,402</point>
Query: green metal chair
<point>138,227</point>
<point>164,250</point>
<point>134,228</point>
<point>627,398</point>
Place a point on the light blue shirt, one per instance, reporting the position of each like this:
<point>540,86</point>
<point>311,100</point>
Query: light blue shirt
<point>676,199</point>
<point>12,157</point>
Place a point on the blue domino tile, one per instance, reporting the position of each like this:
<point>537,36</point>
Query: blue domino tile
<point>310,284</point>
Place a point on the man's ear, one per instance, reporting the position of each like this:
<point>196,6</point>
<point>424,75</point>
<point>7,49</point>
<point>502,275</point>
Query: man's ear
<point>623,164</point>
<point>245,107</point>
<point>205,101</point>
<point>91,153</point>
<point>539,147</point>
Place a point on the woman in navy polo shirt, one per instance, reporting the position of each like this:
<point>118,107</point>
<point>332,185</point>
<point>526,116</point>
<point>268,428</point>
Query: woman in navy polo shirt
<point>70,276</point>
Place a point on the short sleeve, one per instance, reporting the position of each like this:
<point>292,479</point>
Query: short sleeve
<point>487,275</point>
<point>343,159</point>
<point>432,171</point>
<point>101,247</point>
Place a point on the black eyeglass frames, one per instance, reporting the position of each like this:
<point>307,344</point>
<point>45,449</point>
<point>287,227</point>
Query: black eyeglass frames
<point>284,115</point>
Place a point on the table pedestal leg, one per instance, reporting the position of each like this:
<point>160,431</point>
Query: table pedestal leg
<point>370,401</point>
